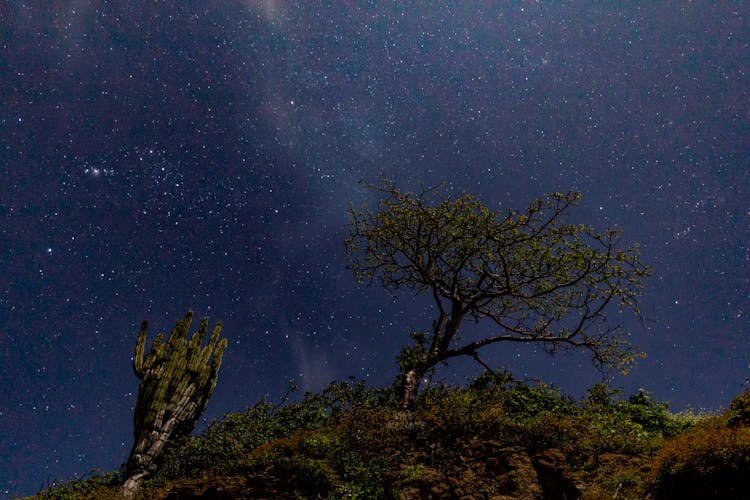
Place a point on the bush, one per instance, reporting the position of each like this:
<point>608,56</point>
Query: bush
<point>226,445</point>
<point>303,477</point>
<point>704,462</point>
<point>739,410</point>
<point>711,460</point>
<point>652,416</point>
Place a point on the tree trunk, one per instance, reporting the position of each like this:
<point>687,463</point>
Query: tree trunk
<point>141,462</point>
<point>131,487</point>
<point>409,387</point>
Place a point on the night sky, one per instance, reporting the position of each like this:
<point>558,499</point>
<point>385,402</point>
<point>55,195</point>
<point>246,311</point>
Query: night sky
<point>159,157</point>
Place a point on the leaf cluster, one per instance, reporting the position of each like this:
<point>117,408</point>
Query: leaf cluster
<point>535,276</point>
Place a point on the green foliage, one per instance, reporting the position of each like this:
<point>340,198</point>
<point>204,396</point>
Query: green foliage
<point>223,445</point>
<point>535,277</point>
<point>739,411</point>
<point>530,400</point>
<point>348,441</point>
<point>651,415</point>
<point>226,444</point>
<point>538,417</point>
<point>304,477</point>
<point>413,355</point>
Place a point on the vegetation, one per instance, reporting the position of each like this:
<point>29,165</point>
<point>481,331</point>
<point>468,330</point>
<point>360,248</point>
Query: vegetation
<point>535,277</point>
<point>538,279</point>
<point>710,460</point>
<point>177,379</point>
<point>350,441</point>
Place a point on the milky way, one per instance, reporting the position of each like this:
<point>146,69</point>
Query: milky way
<point>202,155</point>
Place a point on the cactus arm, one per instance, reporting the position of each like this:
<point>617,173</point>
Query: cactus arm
<point>140,348</point>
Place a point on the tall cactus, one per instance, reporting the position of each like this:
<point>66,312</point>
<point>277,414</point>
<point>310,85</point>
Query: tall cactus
<point>177,379</point>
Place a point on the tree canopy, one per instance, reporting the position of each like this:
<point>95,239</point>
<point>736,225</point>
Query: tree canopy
<point>535,276</point>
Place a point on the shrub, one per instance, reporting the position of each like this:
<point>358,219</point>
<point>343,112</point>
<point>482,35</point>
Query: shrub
<point>708,461</point>
<point>303,477</point>
<point>227,443</point>
<point>739,410</point>
<point>224,445</point>
<point>652,416</point>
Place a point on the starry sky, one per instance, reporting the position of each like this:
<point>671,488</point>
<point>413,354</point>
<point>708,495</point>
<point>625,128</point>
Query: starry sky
<point>164,156</point>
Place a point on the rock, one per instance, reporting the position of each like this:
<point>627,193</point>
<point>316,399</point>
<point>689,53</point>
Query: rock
<point>516,476</point>
<point>428,483</point>
<point>554,478</point>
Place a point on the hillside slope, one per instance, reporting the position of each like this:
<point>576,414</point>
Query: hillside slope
<point>496,439</point>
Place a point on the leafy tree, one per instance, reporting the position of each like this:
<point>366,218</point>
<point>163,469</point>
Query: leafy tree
<point>535,277</point>
<point>177,379</point>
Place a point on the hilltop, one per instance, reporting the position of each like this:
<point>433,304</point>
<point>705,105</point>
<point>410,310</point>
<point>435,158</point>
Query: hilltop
<point>494,439</point>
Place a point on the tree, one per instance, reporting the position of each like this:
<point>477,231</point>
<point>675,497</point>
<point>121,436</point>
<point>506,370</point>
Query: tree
<point>535,277</point>
<point>177,379</point>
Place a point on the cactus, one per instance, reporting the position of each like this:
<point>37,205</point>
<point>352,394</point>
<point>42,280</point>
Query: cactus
<point>177,379</point>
